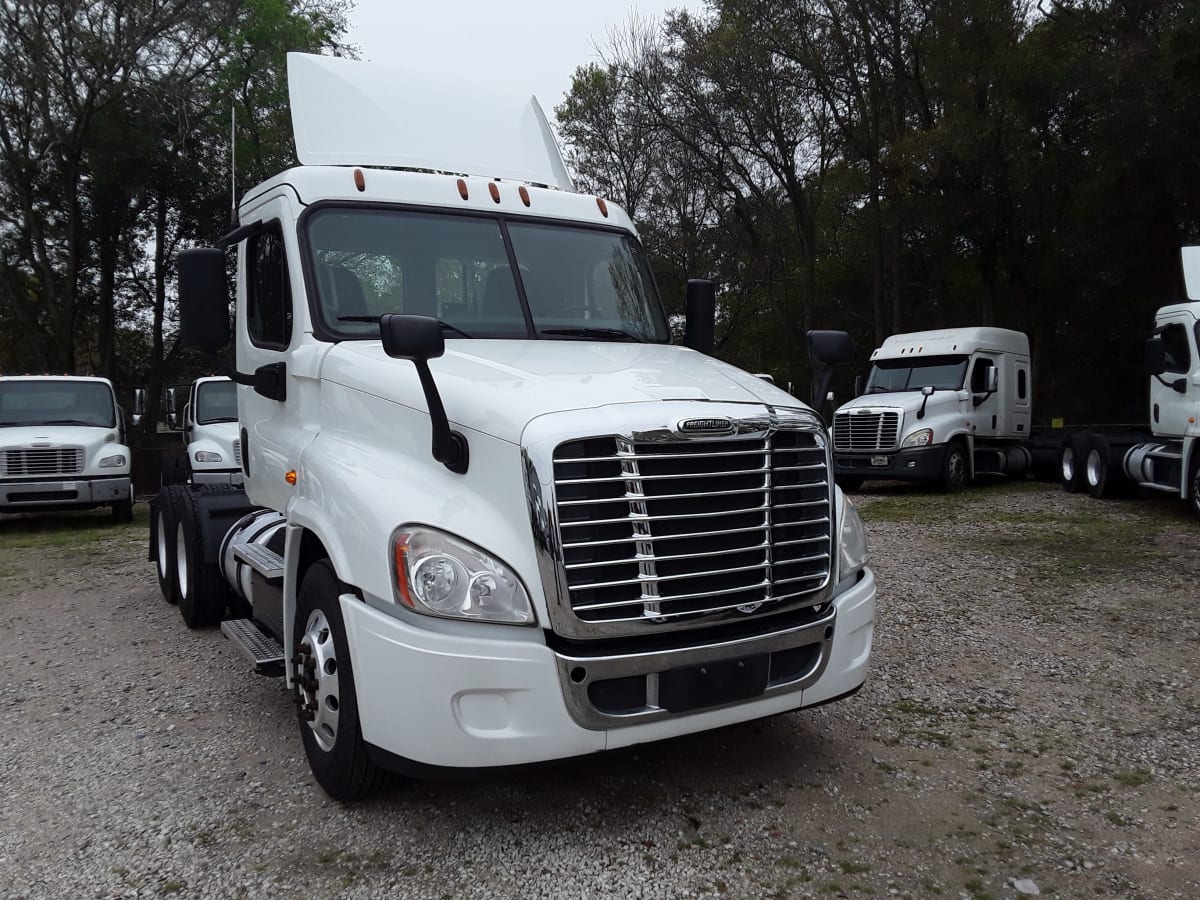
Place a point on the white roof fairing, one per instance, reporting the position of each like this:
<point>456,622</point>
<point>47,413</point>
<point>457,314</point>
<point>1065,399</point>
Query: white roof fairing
<point>351,113</point>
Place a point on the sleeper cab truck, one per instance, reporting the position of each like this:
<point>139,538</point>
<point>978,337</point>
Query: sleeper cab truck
<point>939,407</point>
<point>491,515</point>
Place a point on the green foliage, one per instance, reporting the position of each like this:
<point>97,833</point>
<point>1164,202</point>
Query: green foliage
<point>917,164</point>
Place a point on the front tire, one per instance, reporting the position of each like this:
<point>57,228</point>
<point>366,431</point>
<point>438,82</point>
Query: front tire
<point>1194,484</point>
<point>327,707</point>
<point>955,468</point>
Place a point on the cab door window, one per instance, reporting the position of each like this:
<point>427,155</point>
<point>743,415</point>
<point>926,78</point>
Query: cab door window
<point>1177,354</point>
<point>268,290</point>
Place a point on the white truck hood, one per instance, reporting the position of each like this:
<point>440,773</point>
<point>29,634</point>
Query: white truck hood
<point>95,442</point>
<point>498,387</point>
<point>905,401</point>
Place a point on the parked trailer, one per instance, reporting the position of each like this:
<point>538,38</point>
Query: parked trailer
<point>491,516</point>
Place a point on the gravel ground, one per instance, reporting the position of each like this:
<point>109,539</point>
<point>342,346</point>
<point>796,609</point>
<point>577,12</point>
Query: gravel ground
<point>1031,724</point>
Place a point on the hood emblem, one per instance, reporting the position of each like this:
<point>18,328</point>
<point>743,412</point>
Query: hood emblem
<point>711,425</point>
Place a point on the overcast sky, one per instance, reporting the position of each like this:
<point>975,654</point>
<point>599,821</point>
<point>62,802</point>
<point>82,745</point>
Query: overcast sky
<point>532,46</point>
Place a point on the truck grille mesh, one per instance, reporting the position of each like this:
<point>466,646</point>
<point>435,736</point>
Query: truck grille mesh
<point>676,530</point>
<point>866,431</point>
<point>237,452</point>
<point>15,462</point>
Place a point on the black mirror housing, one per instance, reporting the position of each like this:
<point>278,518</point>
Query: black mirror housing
<point>203,299</point>
<point>701,315</point>
<point>830,348</point>
<point>411,337</point>
<point>1155,359</point>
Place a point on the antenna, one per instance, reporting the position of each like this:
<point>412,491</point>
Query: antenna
<point>233,163</point>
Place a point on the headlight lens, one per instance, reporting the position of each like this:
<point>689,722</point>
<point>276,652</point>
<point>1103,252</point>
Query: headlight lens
<point>439,575</point>
<point>922,438</point>
<point>207,456</point>
<point>112,462</point>
<point>852,547</point>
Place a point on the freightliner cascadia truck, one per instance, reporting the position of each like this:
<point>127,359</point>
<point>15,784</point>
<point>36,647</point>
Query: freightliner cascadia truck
<point>491,515</point>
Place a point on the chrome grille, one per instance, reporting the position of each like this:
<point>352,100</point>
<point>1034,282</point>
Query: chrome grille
<point>866,430</point>
<point>237,452</point>
<point>16,462</point>
<point>675,530</point>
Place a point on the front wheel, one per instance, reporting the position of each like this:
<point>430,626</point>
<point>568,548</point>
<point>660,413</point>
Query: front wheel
<point>955,468</point>
<point>326,701</point>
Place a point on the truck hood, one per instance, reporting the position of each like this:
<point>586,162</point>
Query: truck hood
<point>941,406</point>
<point>498,387</point>
<point>94,441</point>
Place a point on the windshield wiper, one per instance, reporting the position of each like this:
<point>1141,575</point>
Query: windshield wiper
<point>216,420</point>
<point>445,325</point>
<point>616,334</point>
<point>71,422</point>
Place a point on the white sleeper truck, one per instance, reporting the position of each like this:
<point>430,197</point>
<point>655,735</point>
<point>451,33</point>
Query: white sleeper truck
<point>940,407</point>
<point>62,445</point>
<point>491,515</point>
<point>1164,456</point>
<point>210,431</point>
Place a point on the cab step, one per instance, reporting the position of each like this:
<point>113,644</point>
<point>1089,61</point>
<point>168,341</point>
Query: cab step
<point>261,559</point>
<point>256,645</point>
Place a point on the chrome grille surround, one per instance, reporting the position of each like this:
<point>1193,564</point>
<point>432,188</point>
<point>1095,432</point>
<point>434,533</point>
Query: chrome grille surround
<point>866,429</point>
<point>642,529</point>
<point>18,462</point>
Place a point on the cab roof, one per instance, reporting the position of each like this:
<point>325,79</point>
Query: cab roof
<point>952,341</point>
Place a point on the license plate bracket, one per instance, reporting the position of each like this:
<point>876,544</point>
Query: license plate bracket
<point>879,460</point>
<point>713,684</point>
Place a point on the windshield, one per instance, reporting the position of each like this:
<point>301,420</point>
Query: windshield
<point>216,401</point>
<point>57,402</point>
<point>568,282</point>
<point>945,373</point>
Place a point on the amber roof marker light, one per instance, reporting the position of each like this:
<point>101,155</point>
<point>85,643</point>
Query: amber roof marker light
<point>524,192</point>
<point>494,191</point>
<point>360,181</point>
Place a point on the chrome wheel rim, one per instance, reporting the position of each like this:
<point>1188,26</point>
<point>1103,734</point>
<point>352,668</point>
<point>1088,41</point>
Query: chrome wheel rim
<point>318,680</point>
<point>1093,468</point>
<point>181,561</point>
<point>958,468</point>
<point>1068,465</point>
<point>162,546</point>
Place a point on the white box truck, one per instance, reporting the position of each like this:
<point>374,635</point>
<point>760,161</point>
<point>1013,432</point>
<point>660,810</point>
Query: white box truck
<point>62,445</point>
<point>492,516</point>
<point>941,407</point>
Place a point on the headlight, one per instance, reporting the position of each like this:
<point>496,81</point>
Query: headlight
<point>442,576</point>
<point>922,438</point>
<point>207,456</point>
<point>112,462</point>
<point>852,544</point>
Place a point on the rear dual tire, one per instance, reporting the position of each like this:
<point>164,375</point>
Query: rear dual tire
<point>202,592</point>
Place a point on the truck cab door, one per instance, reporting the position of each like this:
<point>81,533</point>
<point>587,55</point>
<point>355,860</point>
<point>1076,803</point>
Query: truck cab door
<point>1170,407</point>
<point>266,317</point>
<point>982,384</point>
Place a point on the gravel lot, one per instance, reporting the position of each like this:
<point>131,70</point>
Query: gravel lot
<point>1032,724</point>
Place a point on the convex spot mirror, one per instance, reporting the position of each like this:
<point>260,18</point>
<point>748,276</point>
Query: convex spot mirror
<point>928,390</point>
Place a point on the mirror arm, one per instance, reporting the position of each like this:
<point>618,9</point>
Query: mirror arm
<point>448,447</point>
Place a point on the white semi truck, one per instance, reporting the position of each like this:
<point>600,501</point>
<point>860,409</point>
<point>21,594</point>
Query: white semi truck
<point>62,445</point>
<point>1165,455</point>
<point>209,425</point>
<point>491,515</point>
<point>939,406</point>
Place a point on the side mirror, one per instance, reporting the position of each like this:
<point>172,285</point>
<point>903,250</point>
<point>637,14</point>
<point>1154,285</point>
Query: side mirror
<point>420,339</point>
<point>701,315</point>
<point>411,337</point>
<point>1191,271</point>
<point>203,299</point>
<point>927,390</point>
<point>139,407</point>
<point>993,380</point>
<point>830,348</point>
<point>1155,358</point>
<point>859,385</point>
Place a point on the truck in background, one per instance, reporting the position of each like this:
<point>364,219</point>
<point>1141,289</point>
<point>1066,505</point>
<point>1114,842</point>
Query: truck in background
<point>1163,456</point>
<point>941,407</point>
<point>491,515</point>
<point>62,445</point>
<point>209,426</point>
